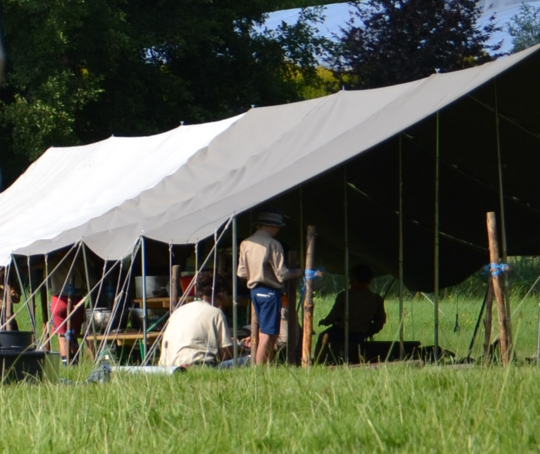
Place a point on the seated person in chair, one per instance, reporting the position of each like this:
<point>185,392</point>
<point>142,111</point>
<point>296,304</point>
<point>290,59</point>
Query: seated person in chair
<point>366,313</point>
<point>197,332</point>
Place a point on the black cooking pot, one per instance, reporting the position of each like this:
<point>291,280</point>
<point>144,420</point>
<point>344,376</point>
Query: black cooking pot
<point>16,339</point>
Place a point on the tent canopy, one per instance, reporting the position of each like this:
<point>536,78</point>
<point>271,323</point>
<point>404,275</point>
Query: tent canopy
<point>180,186</point>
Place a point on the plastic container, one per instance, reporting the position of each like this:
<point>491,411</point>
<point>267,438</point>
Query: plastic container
<point>185,280</point>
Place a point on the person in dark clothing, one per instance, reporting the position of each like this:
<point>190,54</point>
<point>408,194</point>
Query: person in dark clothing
<point>366,312</point>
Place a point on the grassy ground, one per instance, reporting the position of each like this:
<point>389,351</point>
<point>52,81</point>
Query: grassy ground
<point>391,409</point>
<point>394,408</point>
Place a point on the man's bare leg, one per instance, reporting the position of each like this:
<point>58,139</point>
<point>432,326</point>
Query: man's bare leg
<point>265,349</point>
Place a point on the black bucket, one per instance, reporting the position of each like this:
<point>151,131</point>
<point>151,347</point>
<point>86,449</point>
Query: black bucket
<point>16,339</point>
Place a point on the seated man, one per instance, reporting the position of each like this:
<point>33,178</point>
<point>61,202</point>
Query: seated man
<point>366,313</point>
<point>197,332</point>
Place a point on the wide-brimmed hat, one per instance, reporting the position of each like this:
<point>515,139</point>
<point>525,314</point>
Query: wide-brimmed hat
<point>270,217</point>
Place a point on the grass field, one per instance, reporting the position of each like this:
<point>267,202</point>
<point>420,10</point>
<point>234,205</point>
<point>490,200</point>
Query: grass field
<point>394,408</point>
<point>391,409</point>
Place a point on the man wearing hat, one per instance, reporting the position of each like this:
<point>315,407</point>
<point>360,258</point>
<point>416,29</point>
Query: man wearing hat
<point>262,264</point>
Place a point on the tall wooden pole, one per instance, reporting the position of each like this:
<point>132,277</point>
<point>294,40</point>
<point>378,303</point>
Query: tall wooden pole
<point>292,316</point>
<point>175,287</point>
<point>497,284</point>
<point>308,299</point>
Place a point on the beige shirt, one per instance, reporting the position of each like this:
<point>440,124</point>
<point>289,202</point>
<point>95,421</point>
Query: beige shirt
<point>366,311</point>
<point>195,333</point>
<point>262,261</point>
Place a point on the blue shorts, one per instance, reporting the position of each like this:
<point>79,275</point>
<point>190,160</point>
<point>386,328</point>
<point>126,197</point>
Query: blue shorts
<point>267,303</point>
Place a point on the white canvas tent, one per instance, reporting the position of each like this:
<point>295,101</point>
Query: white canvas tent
<point>180,186</point>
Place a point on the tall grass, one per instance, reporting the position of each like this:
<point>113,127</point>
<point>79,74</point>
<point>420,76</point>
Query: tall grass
<point>390,409</point>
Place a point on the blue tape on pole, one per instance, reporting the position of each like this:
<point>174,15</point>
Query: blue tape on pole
<point>496,268</point>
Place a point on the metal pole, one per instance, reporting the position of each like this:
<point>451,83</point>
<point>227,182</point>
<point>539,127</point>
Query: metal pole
<point>346,241</point>
<point>436,245</point>
<point>23,291</point>
<point>89,286</point>
<point>45,303</point>
<point>400,254</point>
<point>506,283</point>
<point>32,305</point>
<point>215,269</point>
<point>145,305</point>
<point>235,290</point>
<point>478,321</point>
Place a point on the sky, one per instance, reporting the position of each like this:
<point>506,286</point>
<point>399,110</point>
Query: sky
<point>337,14</point>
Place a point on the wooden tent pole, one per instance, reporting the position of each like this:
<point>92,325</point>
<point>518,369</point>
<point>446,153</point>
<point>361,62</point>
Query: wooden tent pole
<point>308,298</point>
<point>235,289</point>
<point>175,287</point>
<point>497,287</point>
<point>292,316</point>
<point>346,273</point>
<point>506,282</point>
<point>436,243</point>
<point>400,254</point>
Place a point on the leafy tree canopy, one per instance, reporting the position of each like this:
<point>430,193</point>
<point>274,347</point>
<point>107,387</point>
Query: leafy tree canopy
<point>78,71</point>
<point>525,27</point>
<point>388,42</point>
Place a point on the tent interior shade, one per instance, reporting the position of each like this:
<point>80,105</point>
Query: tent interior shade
<point>266,155</point>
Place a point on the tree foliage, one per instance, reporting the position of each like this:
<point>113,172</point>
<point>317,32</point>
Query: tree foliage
<point>388,42</point>
<point>78,71</point>
<point>525,27</point>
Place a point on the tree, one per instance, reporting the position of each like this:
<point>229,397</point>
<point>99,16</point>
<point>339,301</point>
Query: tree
<point>525,27</point>
<point>78,71</point>
<point>399,41</point>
